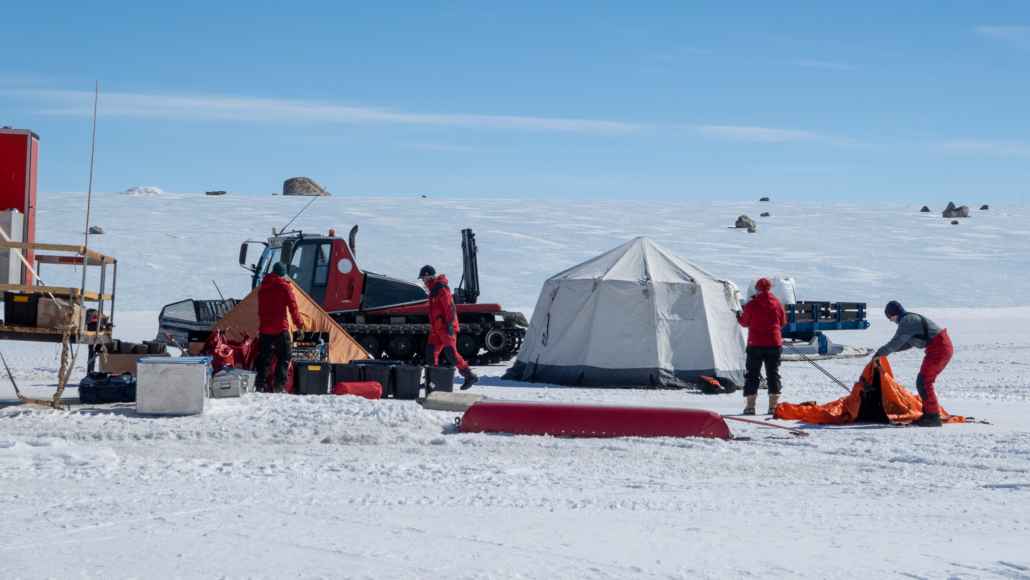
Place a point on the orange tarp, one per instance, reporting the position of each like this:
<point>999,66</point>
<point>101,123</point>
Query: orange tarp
<point>899,404</point>
<point>342,347</point>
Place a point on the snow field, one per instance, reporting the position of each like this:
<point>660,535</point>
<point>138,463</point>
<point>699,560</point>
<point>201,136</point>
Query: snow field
<point>273,486</point>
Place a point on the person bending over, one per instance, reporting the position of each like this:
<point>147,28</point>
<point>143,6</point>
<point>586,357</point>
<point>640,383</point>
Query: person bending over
<point>916,330</point>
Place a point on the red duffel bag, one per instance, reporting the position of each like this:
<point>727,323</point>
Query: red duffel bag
<point>368,389</point>
<point>226,352</point>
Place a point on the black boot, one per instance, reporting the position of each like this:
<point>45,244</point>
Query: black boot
<point>928,420</point>
<point>470,377</point>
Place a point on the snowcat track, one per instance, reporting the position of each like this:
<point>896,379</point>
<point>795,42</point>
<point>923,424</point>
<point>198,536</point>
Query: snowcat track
<point>419,332</point>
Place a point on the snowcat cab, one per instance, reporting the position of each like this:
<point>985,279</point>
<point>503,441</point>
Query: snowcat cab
<point>388,316</point>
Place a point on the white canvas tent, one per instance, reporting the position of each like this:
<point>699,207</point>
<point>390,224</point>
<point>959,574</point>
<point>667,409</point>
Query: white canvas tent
<point>637,315</point>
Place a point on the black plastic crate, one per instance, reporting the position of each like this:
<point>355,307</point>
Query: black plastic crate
<point>380,373</point>
<point>439,379</point>
<point>311,378</point>
<point>20,309</point>
<point>347,373</point>
<point>407,380</point>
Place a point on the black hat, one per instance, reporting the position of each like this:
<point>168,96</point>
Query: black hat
<point>427,270</point>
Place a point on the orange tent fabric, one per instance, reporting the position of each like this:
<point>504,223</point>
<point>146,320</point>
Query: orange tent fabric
<point>899,404</point>
<point>342,347</point>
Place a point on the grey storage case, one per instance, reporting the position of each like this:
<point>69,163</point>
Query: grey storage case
<point>227,384</point>
<point>173,386</point>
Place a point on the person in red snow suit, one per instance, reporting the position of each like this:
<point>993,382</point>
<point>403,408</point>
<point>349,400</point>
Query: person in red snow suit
<point>275,300</point>
<point>443,325</point>
<point>918,331</point>
<point>763,316</point>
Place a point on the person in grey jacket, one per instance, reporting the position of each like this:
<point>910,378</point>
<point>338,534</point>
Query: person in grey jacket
<point>916,330</point>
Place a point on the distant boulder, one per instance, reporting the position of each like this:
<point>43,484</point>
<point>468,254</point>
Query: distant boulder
<point>752,229</point>
<point>96,230</point>
<point>764,199</point>
<point>302,186</point>
<point>925,209</point>
<point>983,207</point>
<point>214,193</point>
<point>765,214</point>
<point>953,212</point>
<point>954,222</point>
<point>745,222</point>
<point>145,190</point>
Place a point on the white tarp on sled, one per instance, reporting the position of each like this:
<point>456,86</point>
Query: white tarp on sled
<point>637,315</point>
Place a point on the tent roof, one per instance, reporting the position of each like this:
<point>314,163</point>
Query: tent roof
<point>342,347</point>
<point>636,261</point>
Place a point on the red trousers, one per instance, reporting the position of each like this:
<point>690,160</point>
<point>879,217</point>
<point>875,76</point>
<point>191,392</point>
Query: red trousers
<point>938,354</point>
<point>449,353</point>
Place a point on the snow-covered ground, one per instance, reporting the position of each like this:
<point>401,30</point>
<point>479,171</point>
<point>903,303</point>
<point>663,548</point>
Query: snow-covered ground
<point>273,486</point>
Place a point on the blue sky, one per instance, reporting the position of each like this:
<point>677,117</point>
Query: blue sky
<point>916,102</point>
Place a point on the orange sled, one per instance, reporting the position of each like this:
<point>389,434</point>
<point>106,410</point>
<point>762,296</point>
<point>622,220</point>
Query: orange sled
<point>894,405</point>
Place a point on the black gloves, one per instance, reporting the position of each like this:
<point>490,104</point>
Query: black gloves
<point>298,335</point>
<point>450,329</point>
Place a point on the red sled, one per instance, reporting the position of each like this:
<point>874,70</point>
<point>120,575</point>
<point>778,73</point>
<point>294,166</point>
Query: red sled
<point>572,420</point>
<point>368,389</point>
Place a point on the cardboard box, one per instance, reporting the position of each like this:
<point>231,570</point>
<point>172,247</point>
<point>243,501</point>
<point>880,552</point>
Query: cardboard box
<point>48,315</point>
<point>124,363</point>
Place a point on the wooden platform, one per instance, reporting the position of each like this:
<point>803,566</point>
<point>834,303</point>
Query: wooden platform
<point>32,334</point>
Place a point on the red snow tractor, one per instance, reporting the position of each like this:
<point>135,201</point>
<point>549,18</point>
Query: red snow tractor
<point>389,317</point>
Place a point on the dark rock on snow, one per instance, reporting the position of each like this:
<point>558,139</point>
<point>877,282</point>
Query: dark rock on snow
<point>302,186</point>
<point>95,230</point>
<point>954,222</point>
<point>752,229</point>
<point>766,214</point>
<point>983,207</point>
<point>745,222</point>
<point>953,212</point>
<point>764,199</point>
<point>925,209</point>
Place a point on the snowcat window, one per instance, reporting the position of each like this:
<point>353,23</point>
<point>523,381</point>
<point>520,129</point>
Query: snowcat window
<point>268,257</point>
<point>322,264</point>
<point>302,266</point>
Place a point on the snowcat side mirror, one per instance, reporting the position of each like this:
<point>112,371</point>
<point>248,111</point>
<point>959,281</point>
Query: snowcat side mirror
<point>286,255</point>
<point>243,255</point>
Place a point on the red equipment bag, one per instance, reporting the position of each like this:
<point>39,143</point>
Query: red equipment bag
<point>226,352</point>
<point>369,389</point>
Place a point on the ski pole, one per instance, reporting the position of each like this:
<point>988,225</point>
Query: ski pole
<point>821,369</point>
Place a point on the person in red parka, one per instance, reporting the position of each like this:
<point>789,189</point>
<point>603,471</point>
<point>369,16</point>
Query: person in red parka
<point>763,316</point>
<point>275,300</point>
<point>443,325</point>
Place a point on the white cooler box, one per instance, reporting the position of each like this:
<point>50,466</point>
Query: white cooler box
<point>173,386</point>
<point>232,383</point>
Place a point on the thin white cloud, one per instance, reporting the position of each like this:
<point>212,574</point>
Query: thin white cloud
<point>770,135</point>
<point>1015,35</point>
<point>255,109</point>
<point>984,147</point>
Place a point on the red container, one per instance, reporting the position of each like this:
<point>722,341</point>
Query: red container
<point>572,420</point>
<point>19,160</point>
